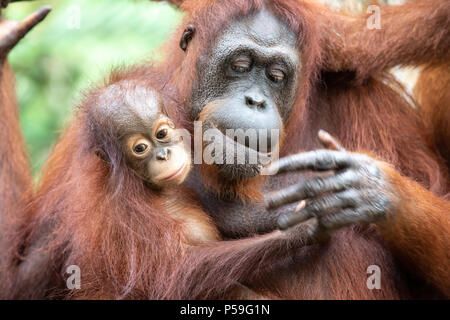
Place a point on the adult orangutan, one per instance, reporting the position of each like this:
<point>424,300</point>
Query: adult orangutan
<point>296,67</point>
<point>293,65</point>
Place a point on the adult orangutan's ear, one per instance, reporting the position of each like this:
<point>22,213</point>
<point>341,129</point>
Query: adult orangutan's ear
<point>187,36</point>
<point>176,3</point>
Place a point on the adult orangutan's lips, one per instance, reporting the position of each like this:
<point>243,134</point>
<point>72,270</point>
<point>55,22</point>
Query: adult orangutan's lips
<point>229,140</point>
<point>242,163</point>
<point>175,174</point>
<point>246,145</point>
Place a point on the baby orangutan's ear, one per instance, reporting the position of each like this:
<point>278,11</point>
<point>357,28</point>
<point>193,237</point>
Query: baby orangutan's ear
<point>102,155</point>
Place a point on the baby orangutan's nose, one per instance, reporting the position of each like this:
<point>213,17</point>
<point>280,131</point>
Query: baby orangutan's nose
<point>163,154</point>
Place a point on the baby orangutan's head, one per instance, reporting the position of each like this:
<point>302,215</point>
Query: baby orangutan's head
<point>151,145</point>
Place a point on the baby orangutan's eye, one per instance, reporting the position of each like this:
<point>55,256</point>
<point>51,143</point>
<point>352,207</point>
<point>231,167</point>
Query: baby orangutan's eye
<point>164,132</point>
<point>139,146</point>
<point>161,134</point>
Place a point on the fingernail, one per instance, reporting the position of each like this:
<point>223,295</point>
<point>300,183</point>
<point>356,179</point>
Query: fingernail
<point>269,170</point>
<point>323,134</point>
<point>268,203</point>
<point>300,206</point>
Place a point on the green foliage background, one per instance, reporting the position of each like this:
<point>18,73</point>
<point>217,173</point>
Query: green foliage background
<point>55,61</point>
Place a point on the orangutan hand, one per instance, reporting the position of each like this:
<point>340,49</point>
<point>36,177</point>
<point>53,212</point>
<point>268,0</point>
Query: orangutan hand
<point>358,191</point>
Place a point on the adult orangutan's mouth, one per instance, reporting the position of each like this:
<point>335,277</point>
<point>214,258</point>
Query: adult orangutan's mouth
<point>235,141</point>
<point>235,160</point>
<point>247,145</point>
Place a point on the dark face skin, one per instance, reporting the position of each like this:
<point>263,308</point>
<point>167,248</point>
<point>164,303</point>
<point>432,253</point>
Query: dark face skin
<point>149,141</point>
<point>249,80</point>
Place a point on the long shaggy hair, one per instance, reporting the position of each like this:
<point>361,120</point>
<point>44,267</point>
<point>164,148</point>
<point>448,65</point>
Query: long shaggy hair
<point>365,114</point>
<point>104,220</point>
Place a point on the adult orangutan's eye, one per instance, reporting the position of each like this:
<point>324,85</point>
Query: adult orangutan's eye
<point>242,64</point>
<point>276,74</point>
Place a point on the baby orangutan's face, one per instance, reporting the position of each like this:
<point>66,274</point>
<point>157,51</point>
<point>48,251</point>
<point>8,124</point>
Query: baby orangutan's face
<point>159,157</point>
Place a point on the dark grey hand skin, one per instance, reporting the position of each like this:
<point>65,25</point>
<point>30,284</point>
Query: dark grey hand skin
<point>354,193</point>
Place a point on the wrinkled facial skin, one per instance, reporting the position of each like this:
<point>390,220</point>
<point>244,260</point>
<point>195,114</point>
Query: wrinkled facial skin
<point>150,143</point>
<point>249,80</point>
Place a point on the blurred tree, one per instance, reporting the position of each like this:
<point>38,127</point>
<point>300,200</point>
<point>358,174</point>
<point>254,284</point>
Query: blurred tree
<point>76,46</point>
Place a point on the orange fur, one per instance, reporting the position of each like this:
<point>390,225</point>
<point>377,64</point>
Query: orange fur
<point>418,231</point>
<point>129,250</point>
<point>15,174</point>
<point>415,33</point>
<point>433,94</point>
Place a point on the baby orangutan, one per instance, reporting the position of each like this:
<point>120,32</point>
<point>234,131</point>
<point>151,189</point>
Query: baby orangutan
<point>132,115</point>
<point>153,149</point>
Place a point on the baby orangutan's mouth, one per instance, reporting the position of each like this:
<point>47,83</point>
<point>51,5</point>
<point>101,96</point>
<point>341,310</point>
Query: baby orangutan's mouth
<point>177,173</point>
